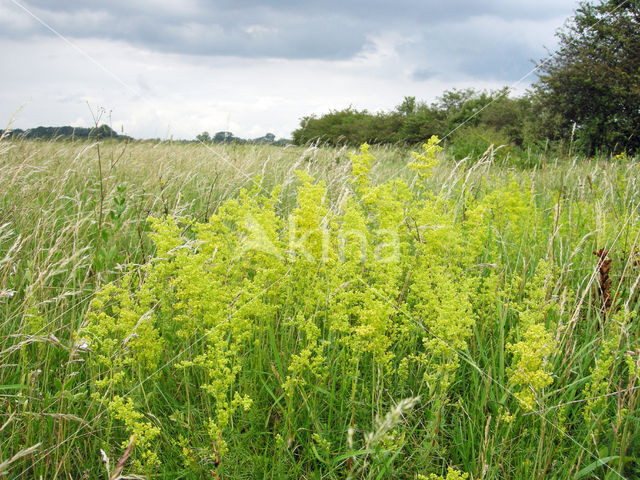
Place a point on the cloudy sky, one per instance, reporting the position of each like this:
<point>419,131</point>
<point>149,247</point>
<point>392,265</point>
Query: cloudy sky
<point>162,68</point>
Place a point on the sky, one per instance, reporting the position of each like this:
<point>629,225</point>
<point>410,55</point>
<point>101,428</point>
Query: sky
<point>176,68</point>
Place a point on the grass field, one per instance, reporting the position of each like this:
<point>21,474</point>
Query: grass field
<point>190,311</point>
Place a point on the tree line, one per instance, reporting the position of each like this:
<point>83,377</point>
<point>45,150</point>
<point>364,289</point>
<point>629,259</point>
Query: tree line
<point>101,131</point>
<point>586,98</point>
<point>469,119</point>
<point>228,137</point>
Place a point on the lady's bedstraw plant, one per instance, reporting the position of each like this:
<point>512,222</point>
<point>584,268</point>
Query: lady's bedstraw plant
<point>424,162</point>
<point>370,295</point>
<point>313,323</point>
<point>529,371</point>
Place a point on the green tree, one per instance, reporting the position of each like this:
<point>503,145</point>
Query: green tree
<point>512,116</point>
<point>590,89</point>
<point>408,106</point>
<point>349,126</point>
<point>463,107</point>
<point>421,125</point>
<point>223,137</point>
<point>203,137</point>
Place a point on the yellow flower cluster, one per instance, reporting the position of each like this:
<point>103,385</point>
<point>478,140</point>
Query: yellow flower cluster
<point>529,373</point>
<point>452,474</point>
<point>364,298</point>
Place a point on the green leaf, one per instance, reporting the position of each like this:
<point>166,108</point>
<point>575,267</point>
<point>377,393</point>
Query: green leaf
<point>600,462</point>
<point>15,386</point>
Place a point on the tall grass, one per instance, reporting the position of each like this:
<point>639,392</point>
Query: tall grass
<point>74,217</point>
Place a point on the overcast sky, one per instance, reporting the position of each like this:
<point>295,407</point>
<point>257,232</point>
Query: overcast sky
<point>163,68</point>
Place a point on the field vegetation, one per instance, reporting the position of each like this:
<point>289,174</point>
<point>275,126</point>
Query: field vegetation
<point>462,307</point>
<point>254,311</point>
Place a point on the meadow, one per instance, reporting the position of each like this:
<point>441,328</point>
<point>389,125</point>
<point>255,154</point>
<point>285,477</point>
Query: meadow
<point>174,310</point>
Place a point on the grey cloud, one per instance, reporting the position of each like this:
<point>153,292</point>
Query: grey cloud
<point>487,48</point>
<point>423,12</point>
<point>265,33</point>
<point>300,29</point>
<point>282,40</point>
<point>295,29</point>
<point>424,73</point>
<point>507,63</point>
